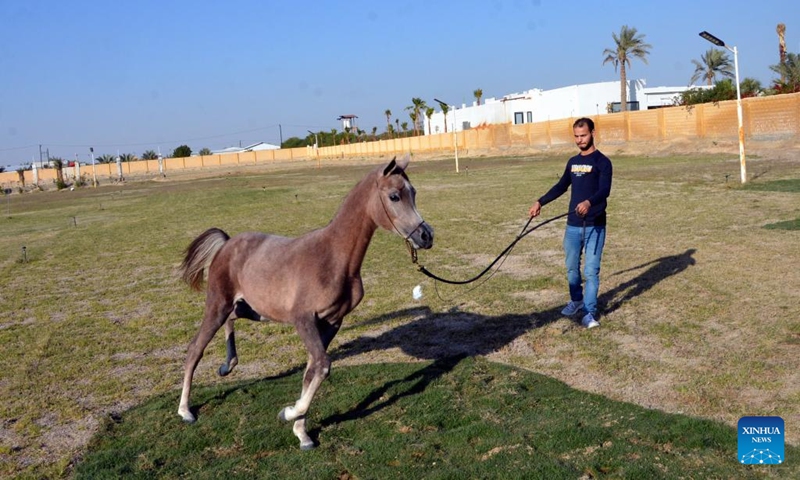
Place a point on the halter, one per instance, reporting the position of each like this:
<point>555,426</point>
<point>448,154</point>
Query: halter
<point>409,246</point>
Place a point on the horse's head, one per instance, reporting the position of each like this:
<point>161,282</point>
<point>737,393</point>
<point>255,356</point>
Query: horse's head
<point>398,205</point>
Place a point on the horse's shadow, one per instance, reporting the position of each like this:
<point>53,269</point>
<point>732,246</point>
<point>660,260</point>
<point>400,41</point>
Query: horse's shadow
<point>195,409</point>
<point>449,337</point>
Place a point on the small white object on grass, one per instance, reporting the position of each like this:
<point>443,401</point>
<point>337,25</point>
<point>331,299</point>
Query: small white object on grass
<point>417,292</point>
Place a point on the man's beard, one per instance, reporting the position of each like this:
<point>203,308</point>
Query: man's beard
<point>589,145</point>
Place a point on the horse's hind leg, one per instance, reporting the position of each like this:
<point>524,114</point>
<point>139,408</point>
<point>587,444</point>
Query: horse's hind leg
<point>217,312</point>
<point>231,359</point>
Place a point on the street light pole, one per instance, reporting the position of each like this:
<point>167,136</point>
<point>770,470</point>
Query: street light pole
<point>716,41</point>
<point>94,169</point>
<point>742,167</point>
<point>316,146</point>
<point>316,141</point>
<point>455,136</point>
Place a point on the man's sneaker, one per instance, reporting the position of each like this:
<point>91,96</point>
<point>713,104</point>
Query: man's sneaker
<point>589,321</point>
<point>572,308</point>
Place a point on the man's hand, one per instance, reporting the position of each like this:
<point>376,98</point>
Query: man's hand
<point>583,208</point>
<point>536,209</point>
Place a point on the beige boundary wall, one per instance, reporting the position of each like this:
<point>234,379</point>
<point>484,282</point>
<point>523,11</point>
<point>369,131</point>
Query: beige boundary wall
<point>769,118</point>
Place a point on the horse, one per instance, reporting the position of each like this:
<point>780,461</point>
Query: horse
<point>311,281</point>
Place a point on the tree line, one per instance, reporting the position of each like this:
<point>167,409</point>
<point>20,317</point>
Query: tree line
<point>630,44</point>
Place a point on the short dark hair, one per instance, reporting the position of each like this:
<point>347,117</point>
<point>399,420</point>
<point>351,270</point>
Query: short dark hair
<point>584,122</point>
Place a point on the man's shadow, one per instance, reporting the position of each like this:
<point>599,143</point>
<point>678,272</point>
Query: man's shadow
<point>658,270</point>
<point>449,337</point>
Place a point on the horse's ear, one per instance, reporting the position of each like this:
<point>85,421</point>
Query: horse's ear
<point>390,168</point>
<point>397,166</point>
<point>403,162</point>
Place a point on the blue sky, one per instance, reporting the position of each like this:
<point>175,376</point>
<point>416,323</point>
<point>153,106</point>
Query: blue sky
<point>133,76</point>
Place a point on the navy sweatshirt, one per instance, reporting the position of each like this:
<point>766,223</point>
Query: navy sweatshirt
<point>590,177</point>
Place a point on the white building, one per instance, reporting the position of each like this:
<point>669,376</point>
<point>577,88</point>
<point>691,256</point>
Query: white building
<point>250,148</point>
<point>538,105</point>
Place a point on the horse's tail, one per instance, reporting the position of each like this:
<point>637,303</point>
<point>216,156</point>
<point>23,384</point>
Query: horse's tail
<point>200,254</point>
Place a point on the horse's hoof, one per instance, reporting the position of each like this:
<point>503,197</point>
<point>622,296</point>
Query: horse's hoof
<point>187,417</point>
<point>282,415</point>
<point>223,370</point>
<point>308,446</point>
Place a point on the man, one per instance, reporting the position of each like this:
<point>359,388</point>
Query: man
<point>589,173</point>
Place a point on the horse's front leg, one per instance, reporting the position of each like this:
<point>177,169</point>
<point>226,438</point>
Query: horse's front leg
<point>316,336</point>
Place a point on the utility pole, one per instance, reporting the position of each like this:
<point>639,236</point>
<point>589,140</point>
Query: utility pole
<point>280,131</point>
<point>455,135</point>
<point>94,169</point>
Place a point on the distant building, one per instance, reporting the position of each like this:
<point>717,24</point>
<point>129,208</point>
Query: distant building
<point>250,148</point>
<point>538,105</point>
<point>348,122</point>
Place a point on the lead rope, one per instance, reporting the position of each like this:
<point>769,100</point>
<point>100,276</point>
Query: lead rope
<point>503,255</point>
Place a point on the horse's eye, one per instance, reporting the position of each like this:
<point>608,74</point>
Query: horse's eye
<point>394,197</point>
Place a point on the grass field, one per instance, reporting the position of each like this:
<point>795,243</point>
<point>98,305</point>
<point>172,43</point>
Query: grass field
<point>452,418</point>
<point>699,290</point>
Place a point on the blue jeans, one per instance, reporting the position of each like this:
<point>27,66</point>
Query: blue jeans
<point>589,241</point>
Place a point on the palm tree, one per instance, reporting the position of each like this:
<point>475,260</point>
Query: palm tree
<point>789,71</point>
<point>374,131</point>
<point>445,109</point>
<point>413,117</point>
<point>58,164</point>
<point>397,128</point>
<point>128,157</point>
<point>388,114</point>
<point>417,106</point>
<point>429,113</point>
<point>411,111</point>
<point>628,44</point>
<point>404,125</point>
<point>106,158</point>
<point>478,94</point>
<point>750,87</point>
<point>149,155</point>
<point>712,63</point>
